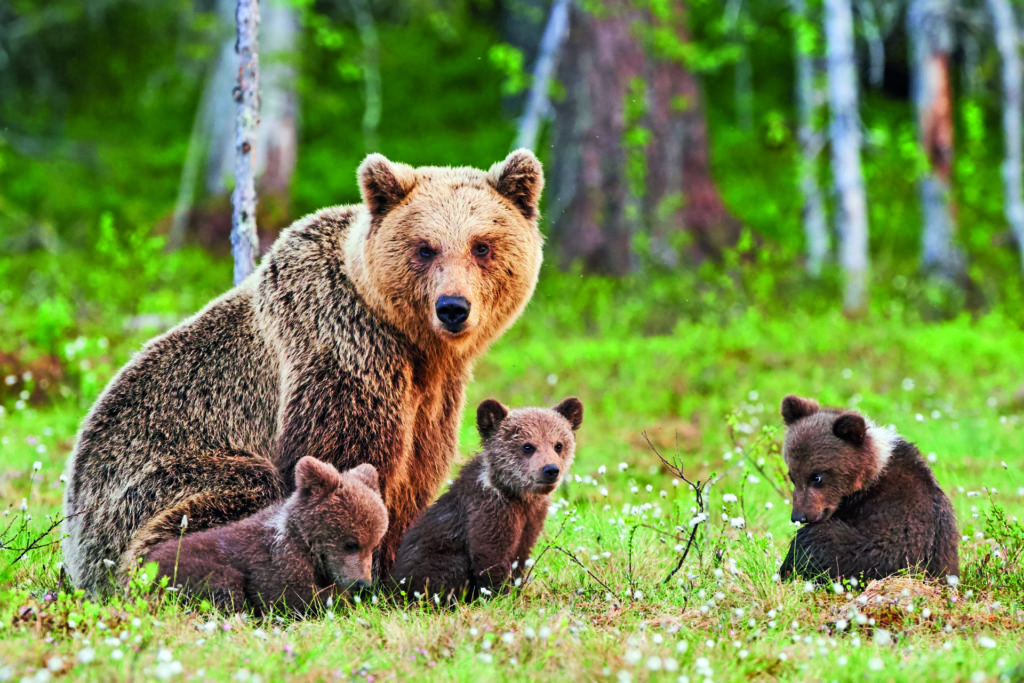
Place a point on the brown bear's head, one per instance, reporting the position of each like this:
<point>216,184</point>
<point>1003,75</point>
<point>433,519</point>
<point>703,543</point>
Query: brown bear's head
<point>341,516</point>
<point>450,256</point>
<point>530,450</point>
<point>831,454</point>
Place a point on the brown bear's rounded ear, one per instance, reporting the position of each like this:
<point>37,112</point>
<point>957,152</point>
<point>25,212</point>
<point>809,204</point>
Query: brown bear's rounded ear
<point>850,427</point>
<point>384,184</point>
<point>367,474</point>
<point>314,477</point>
<point>572,410</point>
<point>489,415</point>
<point>520,179</point>
<point>795,408</point>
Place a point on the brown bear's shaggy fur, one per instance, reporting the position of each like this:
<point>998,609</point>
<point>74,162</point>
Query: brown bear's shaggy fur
<point>316,544</point>
<point>479,534</point>
<point>352,342</point>
<point>869,503</point>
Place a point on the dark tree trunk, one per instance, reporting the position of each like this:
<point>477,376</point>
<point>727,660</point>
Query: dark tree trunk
<point>630,162</point>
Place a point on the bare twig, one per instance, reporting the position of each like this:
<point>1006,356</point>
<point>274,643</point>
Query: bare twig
<point>35,544</point>
<point>582,566</point>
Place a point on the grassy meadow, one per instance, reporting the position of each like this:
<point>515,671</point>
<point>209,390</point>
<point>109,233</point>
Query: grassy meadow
<point>603,600</point>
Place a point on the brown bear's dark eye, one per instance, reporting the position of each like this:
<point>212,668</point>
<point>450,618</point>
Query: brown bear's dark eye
<point>351,547</point>
<point>815,479</point>
<point>426,252</point>
<point>529,448</point>
<point>481,250</point>
<point>558,447</point>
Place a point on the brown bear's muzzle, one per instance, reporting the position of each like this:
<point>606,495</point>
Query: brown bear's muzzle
<point>452,312</point>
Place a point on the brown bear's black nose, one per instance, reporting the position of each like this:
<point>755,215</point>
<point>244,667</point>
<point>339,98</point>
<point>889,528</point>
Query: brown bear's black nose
<point>549,473</point>
<point>798,517</point>
<point>452,311</point>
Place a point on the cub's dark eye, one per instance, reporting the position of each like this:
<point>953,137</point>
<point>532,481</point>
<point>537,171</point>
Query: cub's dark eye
<point>815,479</point>
<point>481,250</point>
<point>426,252</point>
<point>558,447</point>
<point>529,448</point>
<point>351,547</point>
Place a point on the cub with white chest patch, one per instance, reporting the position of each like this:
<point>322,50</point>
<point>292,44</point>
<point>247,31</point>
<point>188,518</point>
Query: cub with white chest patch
<point>869,504</point>
<point>478,536</point>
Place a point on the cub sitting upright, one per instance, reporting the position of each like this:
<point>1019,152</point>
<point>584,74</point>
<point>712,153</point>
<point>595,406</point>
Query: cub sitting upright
<point>869,503</point>
<point>317,543</point>
<point>479,534</point>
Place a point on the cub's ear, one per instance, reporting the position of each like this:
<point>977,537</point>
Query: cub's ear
<point>520,179</point>
<point>315,478</point>
<point>489,415</point>
<point>384,184</point>
<point>795,408</point>
<point>367,474</point>
<point>850,427</point>
<point>572,410</point>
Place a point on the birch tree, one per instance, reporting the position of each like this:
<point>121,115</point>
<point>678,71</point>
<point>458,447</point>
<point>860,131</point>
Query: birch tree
<point>931,38</point>
<point>844,132</point>
<point>807,97</point>
<point>1006,33</point>
<point>244,242</point>
<point>538,105</point>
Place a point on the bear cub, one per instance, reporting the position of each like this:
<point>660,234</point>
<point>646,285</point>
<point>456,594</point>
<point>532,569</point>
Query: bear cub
<point>869,504</point>
<point>477,537</point>
<point>317,543</point>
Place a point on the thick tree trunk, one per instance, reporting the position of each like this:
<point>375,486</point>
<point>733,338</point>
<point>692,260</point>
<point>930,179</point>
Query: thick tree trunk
<point>851,214</point>
<point>1007,42</point>
<point>928,26</point>
<point>630,149</point>
<point>807,101</point>
<point>244,244</point>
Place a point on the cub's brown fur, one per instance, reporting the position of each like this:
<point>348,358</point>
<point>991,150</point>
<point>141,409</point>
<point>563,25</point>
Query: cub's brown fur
<point>869,502</point>
<point>316,544</point>
<point>480,533</point>
<point>352,342</point>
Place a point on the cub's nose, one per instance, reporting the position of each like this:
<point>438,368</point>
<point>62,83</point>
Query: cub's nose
<point>798,517</point>
<point>549,473</point>
<point>452,311</point>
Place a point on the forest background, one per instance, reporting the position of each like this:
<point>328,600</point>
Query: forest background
<point>744,199</point>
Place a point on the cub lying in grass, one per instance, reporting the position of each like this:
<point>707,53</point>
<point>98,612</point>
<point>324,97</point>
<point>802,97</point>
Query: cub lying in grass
<point>869,503</point>
<point>317,543</point>
<point>477,537</point>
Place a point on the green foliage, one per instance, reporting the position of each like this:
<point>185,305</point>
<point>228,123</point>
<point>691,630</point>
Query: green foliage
<point>508,60</point>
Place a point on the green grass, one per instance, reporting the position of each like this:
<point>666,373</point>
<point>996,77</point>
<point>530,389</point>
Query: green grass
<point>703,384</point>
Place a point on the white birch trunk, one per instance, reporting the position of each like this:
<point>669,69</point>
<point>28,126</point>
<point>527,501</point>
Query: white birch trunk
<point>931,38</point>
<point>807,100</point>
<point>244,243</point>
<point>844,127</point>
<point>1006,33</point>
<point>537,104</point>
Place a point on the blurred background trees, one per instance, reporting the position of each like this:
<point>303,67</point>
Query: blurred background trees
<point>676,133</point>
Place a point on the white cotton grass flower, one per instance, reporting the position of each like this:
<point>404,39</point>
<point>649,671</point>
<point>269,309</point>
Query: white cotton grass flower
<point>953,580</point>
<point>622,467</point>
<point>36,466</point>
<point>737,522</point>
<point>729,498</point>
<point>86,655</point>
<point>184,522</point>
<point>602,470</point>
<point>882,637</point>
<point>24,505</point>
<point>986,642</point>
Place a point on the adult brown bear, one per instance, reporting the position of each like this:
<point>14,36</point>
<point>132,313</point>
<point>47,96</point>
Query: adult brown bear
<point>352,342</point>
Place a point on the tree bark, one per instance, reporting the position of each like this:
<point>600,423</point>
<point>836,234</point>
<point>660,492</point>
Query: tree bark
<point>844,128</point>
<point>931,37</point>
<point>244,243</point>
<point>630,164</point>
<point>1007,42</point>
<point>807,104</point>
